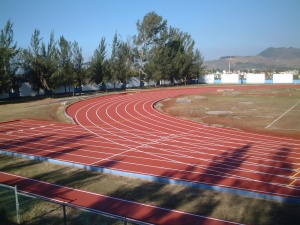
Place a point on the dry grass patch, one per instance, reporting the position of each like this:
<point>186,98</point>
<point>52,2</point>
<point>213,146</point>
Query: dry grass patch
<point>46,109</point>
<point>247,110</point>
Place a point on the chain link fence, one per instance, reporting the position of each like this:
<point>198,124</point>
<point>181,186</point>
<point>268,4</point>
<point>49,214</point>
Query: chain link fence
<point>23,208</point>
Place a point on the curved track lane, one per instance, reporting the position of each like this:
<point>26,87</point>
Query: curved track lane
<point>137,138</point>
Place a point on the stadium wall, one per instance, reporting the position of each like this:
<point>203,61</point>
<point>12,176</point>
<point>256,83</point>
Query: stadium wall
<point>207,79</point>
<point>283,78</point>
<point>252,78</point>
<point>25,89</point>
<point>230,78</point>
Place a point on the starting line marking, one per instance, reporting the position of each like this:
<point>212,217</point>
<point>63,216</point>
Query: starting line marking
<point>297,172</point>
<point>292,183</point>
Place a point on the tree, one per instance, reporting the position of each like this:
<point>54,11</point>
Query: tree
<point>120,62</point>
<point>8,59</point>
<point>79,69</point>
<point>65,70</point>
<point>41,63</point>
<point>173,57</point>
<point>148,35</point>
<point>113,67</point>
<point>99,65</point>
<point>158,64</point>
<point>49,64</point>
<point>197,68</point>
<point>31,59</point>
<point>124,61</point>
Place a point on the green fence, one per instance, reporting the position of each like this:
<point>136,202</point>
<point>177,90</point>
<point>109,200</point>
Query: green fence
<point>23,208</point>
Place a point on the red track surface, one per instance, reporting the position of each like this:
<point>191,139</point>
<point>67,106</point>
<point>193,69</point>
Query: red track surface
<point>128,209</point>
<point>126,133</point>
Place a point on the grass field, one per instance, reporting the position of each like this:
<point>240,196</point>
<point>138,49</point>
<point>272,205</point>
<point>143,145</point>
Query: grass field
<point>205,202</point>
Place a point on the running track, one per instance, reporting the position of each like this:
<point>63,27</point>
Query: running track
<point>136,211</point>
<point>125,134</point>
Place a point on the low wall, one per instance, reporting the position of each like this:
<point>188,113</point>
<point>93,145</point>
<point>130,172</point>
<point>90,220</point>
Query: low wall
<point>283,78</point>
<point>207,79</point>
<point>25,89</point>
<point>252,78</point>
<point>230,78</point>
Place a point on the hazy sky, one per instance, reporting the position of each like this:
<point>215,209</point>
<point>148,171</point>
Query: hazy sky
<point>219,27</point>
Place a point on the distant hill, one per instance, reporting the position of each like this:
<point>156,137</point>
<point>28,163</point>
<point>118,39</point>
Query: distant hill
<point>281,53</point>
<point>271,58</point>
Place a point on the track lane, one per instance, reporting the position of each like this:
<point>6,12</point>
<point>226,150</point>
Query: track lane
<point>98,202</point>
<point>128,113</point>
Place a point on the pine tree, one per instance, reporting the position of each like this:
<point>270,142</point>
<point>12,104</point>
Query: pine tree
<point>79,69</point>
<point>41,63</point>
<point>98,71</point>
<point>9,61</point>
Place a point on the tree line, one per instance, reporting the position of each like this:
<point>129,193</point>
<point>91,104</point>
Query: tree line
<point>156,53</point>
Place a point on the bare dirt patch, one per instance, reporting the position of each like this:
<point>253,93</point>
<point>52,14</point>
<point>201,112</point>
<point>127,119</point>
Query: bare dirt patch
<point>249,110</point>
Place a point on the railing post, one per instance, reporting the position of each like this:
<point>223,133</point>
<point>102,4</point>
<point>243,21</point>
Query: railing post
<point>17,204</point>
<point>65,215</point>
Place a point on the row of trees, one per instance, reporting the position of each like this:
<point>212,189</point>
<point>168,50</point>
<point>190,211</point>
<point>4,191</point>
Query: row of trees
<point>157,52</point>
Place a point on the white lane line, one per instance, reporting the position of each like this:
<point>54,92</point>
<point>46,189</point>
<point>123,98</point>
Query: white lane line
<point>138,146</point>
<point>126,138</point>
<point>176,155</point>
<point>161,149</point>
<point>282,115</point>
<point>122,200</point>
<point>106,112</point>
<point>177,152</point>
<point>209,172</point>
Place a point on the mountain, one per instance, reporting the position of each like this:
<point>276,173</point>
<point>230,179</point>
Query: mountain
<point>281,53</point>
<point>271,58</point>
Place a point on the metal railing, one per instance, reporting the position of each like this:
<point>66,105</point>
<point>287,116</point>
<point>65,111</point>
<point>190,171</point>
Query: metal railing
<point>26,208</point>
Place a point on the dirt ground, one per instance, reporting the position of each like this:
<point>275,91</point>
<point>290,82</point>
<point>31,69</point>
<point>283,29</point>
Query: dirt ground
<point>274,112</point>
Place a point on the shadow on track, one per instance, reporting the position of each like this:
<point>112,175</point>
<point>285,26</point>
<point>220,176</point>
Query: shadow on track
<point>194,200</point>
<point>211,203</point>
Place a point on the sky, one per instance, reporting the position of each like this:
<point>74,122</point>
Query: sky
<point>219,27</point>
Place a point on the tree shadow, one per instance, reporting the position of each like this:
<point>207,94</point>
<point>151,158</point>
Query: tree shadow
<point>17,166</point>
<point>217,172</point>
<point>45,147</point>
<point>249,209</point>
<point>161,194</point>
